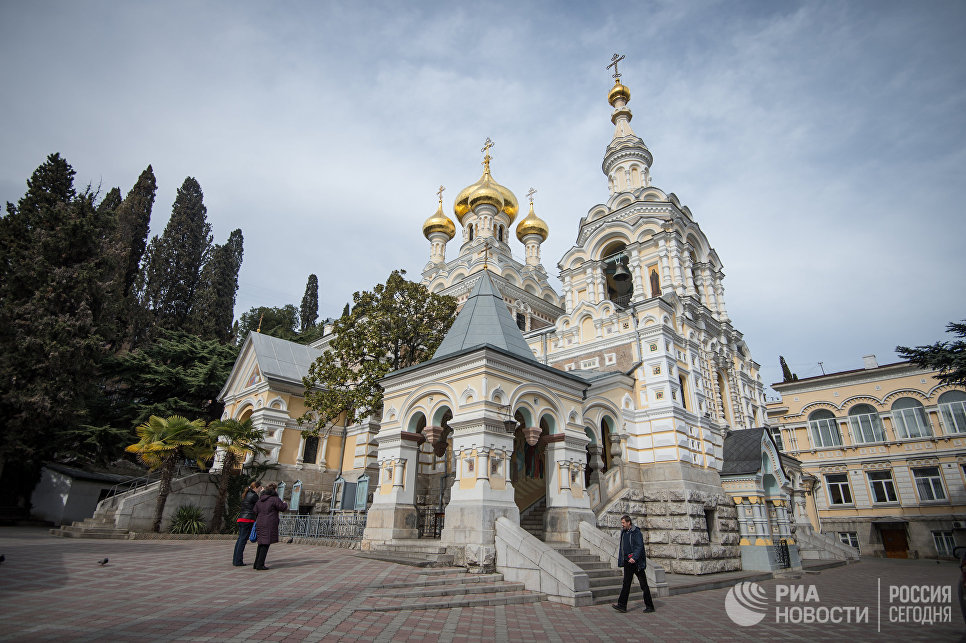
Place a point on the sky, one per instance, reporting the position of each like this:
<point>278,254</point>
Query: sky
<point>819,145</point>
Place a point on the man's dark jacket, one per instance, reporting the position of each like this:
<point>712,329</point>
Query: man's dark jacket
<point>632,543</point>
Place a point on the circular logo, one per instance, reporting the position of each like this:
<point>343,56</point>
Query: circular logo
<point>745,604</point>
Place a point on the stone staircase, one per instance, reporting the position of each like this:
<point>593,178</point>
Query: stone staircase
<point>813,545</point>
<point>415,553</point>
<point>445,588</point>
<point>605,581</point>
<point>101,525</point>
<point>532,518</point>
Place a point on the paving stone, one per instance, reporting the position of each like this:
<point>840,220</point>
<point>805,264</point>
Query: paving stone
<point>53,590</point>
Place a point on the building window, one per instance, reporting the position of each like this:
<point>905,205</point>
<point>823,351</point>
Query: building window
<point>521,321</point>
<point>952,408</point>
<point>910,420</point>
<point>929,484</point>
<point>839,492</point>
<point>776,434</point>
<point>865,424</point>
<point>824,429</point>
<point>850,538</point>
<point>311,449</point>
<point>944,542</point>
<point>883,487</point>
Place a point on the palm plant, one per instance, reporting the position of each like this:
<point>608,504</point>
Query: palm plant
<point>235,440</point>
<point>162,442</point>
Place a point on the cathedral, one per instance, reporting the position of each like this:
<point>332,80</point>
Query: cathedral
<point>630,391</point>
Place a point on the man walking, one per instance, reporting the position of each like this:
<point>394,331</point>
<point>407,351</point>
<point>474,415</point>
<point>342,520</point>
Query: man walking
<point>630,556</point>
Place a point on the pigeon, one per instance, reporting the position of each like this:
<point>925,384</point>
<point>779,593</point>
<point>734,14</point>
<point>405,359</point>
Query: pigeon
<point>102,562</point>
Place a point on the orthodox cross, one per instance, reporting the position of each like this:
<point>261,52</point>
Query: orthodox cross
<point>439,193</point>
<point>486,151</point>
<point>486,255</point>
<point>530,194</point>
<point>613,63</point>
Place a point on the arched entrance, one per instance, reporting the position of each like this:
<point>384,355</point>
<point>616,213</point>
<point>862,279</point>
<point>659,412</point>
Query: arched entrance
<point>435,474</point>
<point>529,472</point>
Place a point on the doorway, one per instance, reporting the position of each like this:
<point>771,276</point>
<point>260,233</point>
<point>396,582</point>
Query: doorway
<point>895,543</point>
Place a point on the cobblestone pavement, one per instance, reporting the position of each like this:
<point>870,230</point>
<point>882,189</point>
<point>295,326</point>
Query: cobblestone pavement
<point>54,589</point>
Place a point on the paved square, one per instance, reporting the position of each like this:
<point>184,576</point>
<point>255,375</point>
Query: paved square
<point>52,589</point>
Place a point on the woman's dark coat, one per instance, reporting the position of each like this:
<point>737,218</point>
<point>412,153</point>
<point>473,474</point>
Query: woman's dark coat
<point>247,511</point>
<point>266,517</point>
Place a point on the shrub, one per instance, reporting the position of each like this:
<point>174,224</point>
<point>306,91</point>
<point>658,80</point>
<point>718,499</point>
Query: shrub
<point>188,519</point>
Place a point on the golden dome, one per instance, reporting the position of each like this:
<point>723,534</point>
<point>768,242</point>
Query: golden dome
<point>532,224</point>
<point>439,222</point>
<point>486,190</point>
<point>618,91</point>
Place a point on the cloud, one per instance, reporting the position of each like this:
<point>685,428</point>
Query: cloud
<point>819,145</point>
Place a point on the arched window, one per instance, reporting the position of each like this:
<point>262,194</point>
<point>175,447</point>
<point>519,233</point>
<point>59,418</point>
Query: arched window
<point>470,228</point>
<point>824,429</point>
<point>500,234</point>
<point>617,276</point>
<point>865,424</point>
<point>655,284</point>
<point>909,418</point>
<point>952,408</point>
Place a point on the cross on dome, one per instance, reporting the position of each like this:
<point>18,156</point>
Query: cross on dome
<point>613,63</point>
<point>530,194</point>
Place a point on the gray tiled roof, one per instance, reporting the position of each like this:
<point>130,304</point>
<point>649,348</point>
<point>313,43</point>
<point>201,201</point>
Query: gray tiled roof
<point>485,320</point>
<point>281,359</point>
<point>741,452</point>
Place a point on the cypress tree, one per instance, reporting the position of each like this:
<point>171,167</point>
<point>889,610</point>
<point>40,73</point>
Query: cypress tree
<point>214,311</point>
<point>309,311</point>
<point>131,234</point>
<point>173,271</point>
<point>52,293</point>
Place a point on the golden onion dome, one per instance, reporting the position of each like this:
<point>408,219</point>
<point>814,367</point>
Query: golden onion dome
<point>439,222</point>
<point>486,190</point>
<point>618,91</point>
<point>532,224</point>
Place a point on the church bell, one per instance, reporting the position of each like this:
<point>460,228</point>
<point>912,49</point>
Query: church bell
<point>621,273</point>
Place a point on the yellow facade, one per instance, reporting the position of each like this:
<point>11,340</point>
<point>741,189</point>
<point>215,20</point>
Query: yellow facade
<point>887,447</point>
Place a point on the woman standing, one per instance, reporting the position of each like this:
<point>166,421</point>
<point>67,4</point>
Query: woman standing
<point>266,522</point>
<point>246,520</point>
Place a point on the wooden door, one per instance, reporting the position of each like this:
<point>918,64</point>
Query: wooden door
<point>895,543</point>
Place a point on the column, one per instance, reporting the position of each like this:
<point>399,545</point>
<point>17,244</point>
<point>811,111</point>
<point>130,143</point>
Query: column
<point>567,503</point>
<point>392,515</point>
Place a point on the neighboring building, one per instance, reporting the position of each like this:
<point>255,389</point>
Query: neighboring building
<point>614,397</point>
<point>67,494</point>
<point>887,446</point>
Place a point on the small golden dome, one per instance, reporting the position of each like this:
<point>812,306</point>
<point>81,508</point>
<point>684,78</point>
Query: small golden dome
<point>486,190</point>
<point>618,91</point>
<point>439,222</point>
<point>532,224</point>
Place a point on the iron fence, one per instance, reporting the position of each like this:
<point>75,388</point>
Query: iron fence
<point>337,526</point>
<point>782,555</point>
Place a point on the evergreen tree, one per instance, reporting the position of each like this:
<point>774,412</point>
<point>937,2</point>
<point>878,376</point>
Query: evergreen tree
<point>949,358</point>
<point>131,233</point>
<point>277,322</point>
<point>309,312</point>
<point>173,271</point>
<point>787,375</point>
<point>398,324</point>
<point>214,311</point>
<point>177,373</point>
<point>108,205</point>
<point>52,298</point>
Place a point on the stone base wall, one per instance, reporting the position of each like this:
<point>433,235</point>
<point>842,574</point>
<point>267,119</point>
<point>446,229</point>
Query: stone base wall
<point>668,503</point>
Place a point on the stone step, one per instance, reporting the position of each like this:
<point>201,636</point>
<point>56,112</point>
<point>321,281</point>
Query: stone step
<point>598,583</point>
<point>457,590</point>
<point>412,559</point>
<point>455,579</point>
<point>702,584</point>
<point>594,566</point>
<point>388,604</point>
<point>580,559</point>
<point>604,573</point>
